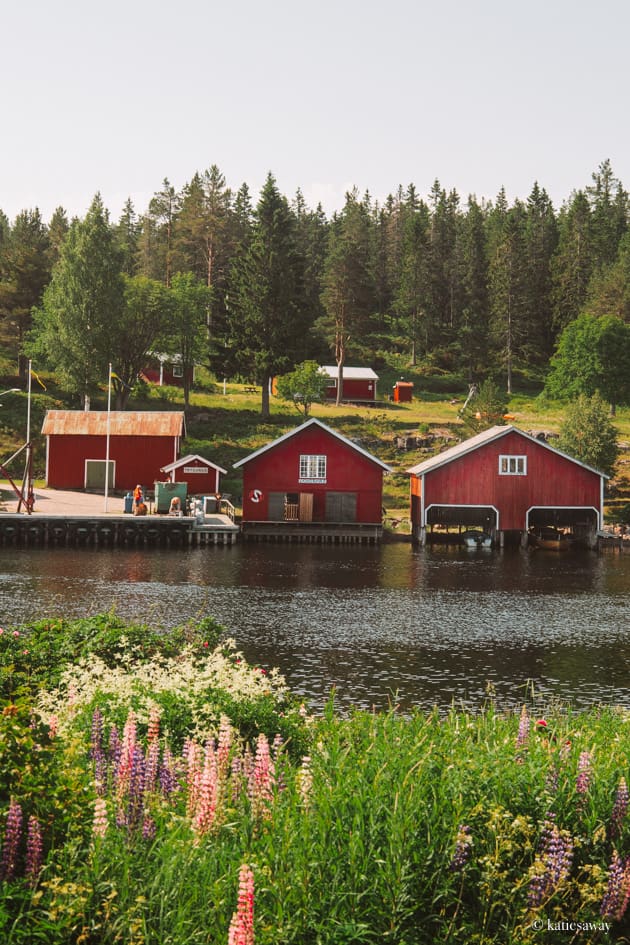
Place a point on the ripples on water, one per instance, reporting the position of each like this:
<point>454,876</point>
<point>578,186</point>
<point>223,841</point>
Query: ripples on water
<point>418,627</point>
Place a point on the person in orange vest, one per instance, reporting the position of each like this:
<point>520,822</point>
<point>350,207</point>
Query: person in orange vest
<point>138,497</point>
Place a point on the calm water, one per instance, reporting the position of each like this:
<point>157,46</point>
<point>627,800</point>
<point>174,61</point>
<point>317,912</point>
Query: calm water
<point>431,626</point>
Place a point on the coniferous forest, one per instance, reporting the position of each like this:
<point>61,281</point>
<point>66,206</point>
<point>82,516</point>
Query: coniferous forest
<point>252,285</point>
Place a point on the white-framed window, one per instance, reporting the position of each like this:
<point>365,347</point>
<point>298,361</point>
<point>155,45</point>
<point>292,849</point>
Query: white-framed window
<point>512,465</point>
<point>178,369</point>
<point>312,468</point>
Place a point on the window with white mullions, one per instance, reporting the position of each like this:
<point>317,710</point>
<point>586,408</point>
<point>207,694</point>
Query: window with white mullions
<point>312,468</point>
<point>512,465</point>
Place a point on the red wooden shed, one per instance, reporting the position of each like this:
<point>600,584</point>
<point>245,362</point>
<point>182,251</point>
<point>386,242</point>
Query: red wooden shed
<point>140,444</point>
<point>315,481</point>
<point>358,383</point>
<point>403,392</point>
<point>506,481</point>
<point>200,475</point>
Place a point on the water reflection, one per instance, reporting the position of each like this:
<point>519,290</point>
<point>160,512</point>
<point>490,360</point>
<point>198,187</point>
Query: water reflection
<point>420,627</point>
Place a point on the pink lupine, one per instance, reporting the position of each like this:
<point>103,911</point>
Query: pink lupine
<point>224,743</point>
<point>523,729</point>
<point>241,930</point>
<point>263,777</point>
<point>208,790</point>
<point>53,726</point>
<point>154,724</point>
<point>34,849</point>
<point>584,773</point>
<point>192,757</point>
<point>125,764</point>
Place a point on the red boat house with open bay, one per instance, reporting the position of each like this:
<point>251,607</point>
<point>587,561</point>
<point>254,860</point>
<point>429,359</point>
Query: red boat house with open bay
<point>506,481</point>
<point>312,484</point>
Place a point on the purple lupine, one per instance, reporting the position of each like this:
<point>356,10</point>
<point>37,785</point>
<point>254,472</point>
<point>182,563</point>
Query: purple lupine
<point>463,848</point>
<point>34,849</point>
<point>12,838</point>
<point>151,765</point>
<point>614,895</point>
<point>115,747</point>
<point>620,808</point>
<point>96,734</point>
<point>553,863</point>
<point>148,827</point>
<point>166,776</point>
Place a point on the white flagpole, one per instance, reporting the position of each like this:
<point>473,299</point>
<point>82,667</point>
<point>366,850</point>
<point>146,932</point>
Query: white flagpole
<point>109,410</point>
<point>26,487</point>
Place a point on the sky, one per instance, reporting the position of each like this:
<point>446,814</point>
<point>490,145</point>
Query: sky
<point>326,95</point>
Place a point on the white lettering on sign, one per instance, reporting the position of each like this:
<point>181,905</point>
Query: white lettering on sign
<point>196,469</point>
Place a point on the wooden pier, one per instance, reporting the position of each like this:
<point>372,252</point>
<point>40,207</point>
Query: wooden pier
<point>116,530</point>
<point>311,532</point>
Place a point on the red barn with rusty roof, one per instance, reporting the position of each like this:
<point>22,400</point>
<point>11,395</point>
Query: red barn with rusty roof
<point>505,481</point>
<point>312,476</point>
<point>140,444</point>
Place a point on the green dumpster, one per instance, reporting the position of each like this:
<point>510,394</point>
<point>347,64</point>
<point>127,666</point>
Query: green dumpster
<point>165,492</point>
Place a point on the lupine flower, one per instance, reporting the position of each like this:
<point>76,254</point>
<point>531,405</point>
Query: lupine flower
<point>166,776</point>
<point>192,756</point>
<point>100,822</point>
<point>305,781</point>
<point>123,771</point>
<point>552,864</point>
<point>12,837</point>
<point>584,773</point>
<point>34,847</point>
<point>523,729</point>
<point>53,726</point>
<point>208,789</point>
<point>154,724</point>
<point>135,797</point>
<point>620,808</point>
<point>614,897</point>
<point>225,743</point>
<point>242,925</point>
<point>463,848</point>
<point>263,777</point>
<point>148,827</point>
<point>151,764</point>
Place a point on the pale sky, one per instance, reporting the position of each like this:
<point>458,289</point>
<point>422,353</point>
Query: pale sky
<point>117,96</point>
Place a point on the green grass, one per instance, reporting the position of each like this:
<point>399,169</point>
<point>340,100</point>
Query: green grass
<point>425,829</point>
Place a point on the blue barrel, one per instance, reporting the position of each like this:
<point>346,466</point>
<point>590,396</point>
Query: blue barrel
<point>129,503</point>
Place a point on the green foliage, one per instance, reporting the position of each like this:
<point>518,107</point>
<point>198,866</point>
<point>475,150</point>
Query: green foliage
<point>485,409</point>
<point>588,434</point>
<point>592,355</point>
<point>303,386</point>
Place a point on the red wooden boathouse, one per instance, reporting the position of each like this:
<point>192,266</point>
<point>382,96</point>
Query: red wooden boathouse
<point>505,481</point>
<point>312,482</point>
<point>140,444</point>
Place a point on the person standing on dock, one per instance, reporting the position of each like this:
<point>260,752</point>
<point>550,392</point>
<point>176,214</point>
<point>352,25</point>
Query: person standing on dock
<point>138,497</point>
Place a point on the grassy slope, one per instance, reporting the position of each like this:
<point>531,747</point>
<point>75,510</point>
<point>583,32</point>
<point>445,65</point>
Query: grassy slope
<point>224,427</point>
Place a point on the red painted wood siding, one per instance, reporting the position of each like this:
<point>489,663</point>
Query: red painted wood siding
<point>277,470</point>
<point>198,483</point>
<point>137,458</point>
<point>353,390</point>
<point>474,479</point>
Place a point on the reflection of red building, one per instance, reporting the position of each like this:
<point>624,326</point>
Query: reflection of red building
<point>505,480</point>
<point>358,383</point>
<point>140,444</point>
<point>312,475</point>
<point>200,475</point>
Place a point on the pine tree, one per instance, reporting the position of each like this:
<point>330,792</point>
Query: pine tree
<point>572,264</point>
<point>540,242</point>
<point>266,293</point>
<point>508,302</point>
<point>348,288</point>
<point>24,273</point>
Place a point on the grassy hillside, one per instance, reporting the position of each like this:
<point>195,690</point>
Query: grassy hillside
<point>225,423</point>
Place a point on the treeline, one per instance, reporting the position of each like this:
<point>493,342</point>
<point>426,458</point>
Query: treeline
<point>251,290</point>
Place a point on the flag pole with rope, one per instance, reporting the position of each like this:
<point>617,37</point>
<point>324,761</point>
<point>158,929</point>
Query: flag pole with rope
<point>109,408</point>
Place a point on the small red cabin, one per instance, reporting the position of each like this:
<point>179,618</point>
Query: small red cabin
<point>312,478</point>
<point>403,392</point>
<point>166,369</point>
<point>506,481</point>
<point>140,444</point>
<point>358,383</point>
<point>200,475</point>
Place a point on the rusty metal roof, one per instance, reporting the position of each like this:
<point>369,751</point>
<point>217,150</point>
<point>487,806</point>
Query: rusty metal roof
<point>121,423</point>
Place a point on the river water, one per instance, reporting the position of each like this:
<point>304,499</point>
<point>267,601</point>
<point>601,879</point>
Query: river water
<point>381,624</point>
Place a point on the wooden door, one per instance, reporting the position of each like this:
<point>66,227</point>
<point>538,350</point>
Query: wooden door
<point>306,506</point>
